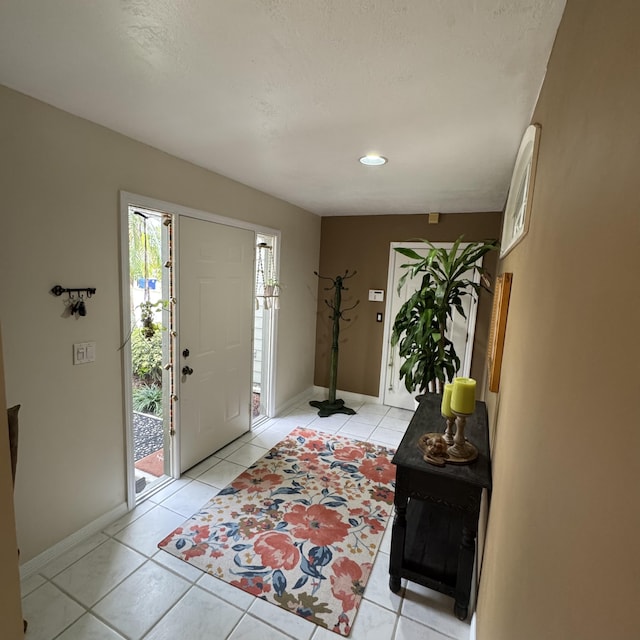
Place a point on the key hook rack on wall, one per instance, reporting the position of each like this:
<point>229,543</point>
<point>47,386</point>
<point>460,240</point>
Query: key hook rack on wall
<point>75,304</point>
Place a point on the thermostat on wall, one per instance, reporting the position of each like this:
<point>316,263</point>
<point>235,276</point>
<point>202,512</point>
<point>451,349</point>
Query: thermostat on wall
<point>376,295</point>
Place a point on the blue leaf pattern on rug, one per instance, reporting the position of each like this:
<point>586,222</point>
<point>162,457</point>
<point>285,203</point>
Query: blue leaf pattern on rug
<point>300,528</point>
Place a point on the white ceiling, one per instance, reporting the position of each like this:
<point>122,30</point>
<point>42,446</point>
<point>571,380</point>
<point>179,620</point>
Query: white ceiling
<point>285,95</point>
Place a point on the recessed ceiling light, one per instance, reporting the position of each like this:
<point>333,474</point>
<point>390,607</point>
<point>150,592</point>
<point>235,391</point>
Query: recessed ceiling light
<point>373,160</point>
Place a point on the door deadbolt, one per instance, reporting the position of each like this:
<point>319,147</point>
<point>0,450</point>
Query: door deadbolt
<point>187,371</point>
<point>185,353</point>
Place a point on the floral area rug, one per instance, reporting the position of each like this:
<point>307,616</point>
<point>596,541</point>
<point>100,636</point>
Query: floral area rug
<point>300,528</point>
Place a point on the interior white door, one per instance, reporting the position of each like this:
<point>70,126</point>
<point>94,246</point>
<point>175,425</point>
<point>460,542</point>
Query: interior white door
<point>461,330</point>
<point>215,307</point>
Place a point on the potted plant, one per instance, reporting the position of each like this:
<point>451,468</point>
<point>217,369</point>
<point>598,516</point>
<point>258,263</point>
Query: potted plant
<point>419,329</point>
<point>147,316</point>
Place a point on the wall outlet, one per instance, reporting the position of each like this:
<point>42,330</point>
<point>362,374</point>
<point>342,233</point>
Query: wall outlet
<point>84,352</point>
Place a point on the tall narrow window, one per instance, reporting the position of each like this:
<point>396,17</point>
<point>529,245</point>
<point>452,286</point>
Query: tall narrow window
<point>149,287</point>
<point>267,302</point>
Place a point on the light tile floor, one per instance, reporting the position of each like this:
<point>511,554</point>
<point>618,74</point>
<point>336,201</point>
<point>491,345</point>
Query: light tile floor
<point>117,584</point>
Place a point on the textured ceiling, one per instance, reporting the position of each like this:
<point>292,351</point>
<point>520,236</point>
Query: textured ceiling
<point>285,95</point>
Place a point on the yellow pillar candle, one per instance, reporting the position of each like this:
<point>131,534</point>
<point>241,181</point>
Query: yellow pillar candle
<point>463,396</point>
<point>445,408</point>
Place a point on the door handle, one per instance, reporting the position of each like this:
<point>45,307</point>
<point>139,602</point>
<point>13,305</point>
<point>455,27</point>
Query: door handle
<point>186,370</point>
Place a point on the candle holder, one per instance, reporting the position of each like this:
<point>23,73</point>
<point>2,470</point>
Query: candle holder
<point>448,432</point>
<point>461,451</point>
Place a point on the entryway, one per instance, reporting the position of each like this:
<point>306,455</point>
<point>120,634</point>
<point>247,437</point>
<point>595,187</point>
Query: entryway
<point>200,364</point>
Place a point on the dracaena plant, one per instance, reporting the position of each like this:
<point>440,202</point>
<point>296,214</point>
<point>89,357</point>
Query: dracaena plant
<point>419,329</point>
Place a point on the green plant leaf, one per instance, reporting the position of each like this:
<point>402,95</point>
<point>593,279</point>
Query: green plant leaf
<point>146,356</point>
<point>409,253</point>
<point>147,398</point>
<point>401,281</point>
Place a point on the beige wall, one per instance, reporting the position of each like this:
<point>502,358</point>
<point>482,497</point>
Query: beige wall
<point>562,558</point>
<point>59,182</point>
<point>361,243</point>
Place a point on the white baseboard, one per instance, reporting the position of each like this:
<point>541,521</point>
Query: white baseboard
<point>35,564</point>
<point>348,396</point>
<point>292,402</point>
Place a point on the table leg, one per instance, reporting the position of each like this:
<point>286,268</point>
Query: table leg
<point>460,612</point>
<point>397,543</point>
<point>466,556</point>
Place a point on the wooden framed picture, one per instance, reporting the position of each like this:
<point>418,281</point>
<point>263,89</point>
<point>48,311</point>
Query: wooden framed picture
<point>497,330</point>
<point>515,223</point>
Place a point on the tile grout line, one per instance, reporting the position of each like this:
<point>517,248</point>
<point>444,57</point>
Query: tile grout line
<point>266,622</point>
<point>86,609</point>
<point>192,586</point>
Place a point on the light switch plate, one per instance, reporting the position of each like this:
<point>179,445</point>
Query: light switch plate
<point>84,352</point>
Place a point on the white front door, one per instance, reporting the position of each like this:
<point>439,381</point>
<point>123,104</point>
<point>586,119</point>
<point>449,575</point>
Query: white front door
<point>215,307</point>
<point>460,332</point>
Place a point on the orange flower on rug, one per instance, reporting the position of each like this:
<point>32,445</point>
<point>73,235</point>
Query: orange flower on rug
<point>300,528</point>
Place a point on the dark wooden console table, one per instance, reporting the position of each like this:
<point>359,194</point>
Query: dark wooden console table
<point>437,508</point>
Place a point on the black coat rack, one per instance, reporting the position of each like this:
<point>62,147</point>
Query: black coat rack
<point>332,405</point>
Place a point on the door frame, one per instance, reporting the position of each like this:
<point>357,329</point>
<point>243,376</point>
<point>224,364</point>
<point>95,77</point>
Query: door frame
<point>388,321</point>
<point>128,199</point>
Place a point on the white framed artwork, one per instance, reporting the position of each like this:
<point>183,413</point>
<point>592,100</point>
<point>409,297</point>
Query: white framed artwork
<point>517,211</point>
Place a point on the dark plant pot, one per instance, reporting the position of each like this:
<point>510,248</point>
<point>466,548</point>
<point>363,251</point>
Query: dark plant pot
<point>429,394</point>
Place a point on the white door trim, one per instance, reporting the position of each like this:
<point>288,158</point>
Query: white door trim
<point>127,369</point>
<point>178,209</point>
<point>127,199</point>
<point>269,363</point>
<point>388,321</point>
